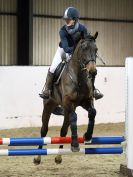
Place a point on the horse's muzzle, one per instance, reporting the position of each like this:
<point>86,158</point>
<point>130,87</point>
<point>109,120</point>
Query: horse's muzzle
<point>91,66</point>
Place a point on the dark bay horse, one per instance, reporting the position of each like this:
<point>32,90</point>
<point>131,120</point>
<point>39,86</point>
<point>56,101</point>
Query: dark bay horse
<point>74,89</point>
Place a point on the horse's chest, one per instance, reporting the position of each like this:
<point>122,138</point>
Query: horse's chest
<point>83,91</point>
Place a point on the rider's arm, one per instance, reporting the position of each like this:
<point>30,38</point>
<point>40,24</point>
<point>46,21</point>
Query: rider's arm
<point>64,42</point>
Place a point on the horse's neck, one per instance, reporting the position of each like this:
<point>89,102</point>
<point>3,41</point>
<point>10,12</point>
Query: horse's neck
<point>74,65</point>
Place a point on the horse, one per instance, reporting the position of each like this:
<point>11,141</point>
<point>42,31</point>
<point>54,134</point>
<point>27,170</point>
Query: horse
<point>74,89</point>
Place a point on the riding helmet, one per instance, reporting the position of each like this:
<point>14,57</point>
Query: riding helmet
<point>71,13</point>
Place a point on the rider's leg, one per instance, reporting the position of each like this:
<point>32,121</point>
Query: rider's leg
<point>49,80</point>
<point>97,93</point>
<point>48,86</point>
<point>57,59</point>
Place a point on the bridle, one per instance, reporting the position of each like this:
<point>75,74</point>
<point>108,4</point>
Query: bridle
<point>82,68</point>
<point>83,65</point>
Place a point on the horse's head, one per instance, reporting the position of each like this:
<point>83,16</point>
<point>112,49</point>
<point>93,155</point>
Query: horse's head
<point>87,52</point>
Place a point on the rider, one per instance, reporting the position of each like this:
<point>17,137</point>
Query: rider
<point>70,34</point>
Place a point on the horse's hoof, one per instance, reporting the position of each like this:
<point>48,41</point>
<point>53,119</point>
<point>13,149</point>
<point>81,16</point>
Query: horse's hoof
<point>75,149</point>
<point>36,161</point>
<point>87,138</point>
<point>58,159</point>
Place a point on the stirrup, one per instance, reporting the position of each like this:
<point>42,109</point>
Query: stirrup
<point>45,96</point>
<point>97,94</point>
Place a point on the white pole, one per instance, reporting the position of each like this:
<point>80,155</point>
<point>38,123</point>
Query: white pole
<point>129,111</point>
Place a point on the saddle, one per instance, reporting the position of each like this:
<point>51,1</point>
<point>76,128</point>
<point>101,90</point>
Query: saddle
<point>58,72</point>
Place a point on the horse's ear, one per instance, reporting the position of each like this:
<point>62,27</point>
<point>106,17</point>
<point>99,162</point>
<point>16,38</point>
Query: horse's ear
<point>96,34</point>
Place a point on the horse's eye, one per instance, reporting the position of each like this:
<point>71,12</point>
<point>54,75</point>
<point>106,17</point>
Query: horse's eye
<point>83,46</point>
<point>84,61</point>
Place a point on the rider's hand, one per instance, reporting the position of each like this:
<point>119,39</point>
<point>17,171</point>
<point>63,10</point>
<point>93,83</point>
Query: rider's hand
<point>68,56</point>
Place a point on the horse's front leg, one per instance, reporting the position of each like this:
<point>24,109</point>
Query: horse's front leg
<point>47,110</point>
<point>63,133</point>
<point>69,109</point>
<point>37,160</point>
<point>91,123</point>
<point>74,135</point>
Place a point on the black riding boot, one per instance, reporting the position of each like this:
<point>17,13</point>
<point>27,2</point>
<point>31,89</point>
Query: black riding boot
<point>97,94</point>
<point>48,86</point>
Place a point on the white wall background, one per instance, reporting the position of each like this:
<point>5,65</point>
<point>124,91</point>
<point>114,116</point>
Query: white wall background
<point>20,105</point>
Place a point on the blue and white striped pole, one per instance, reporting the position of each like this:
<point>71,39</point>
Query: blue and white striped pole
<point>28,152</point>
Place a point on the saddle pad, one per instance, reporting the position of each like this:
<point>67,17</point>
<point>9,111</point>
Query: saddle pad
<point>58,71</point>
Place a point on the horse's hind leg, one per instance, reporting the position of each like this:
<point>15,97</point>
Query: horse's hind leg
<point>63,133</point>
<point>91,115</point>
<point>44,129</point>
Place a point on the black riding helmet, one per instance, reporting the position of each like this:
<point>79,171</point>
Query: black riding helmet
<point>71,13</point>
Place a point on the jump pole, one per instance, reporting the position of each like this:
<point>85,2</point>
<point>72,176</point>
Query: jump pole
<point>60,140</point>
<point>28,152</point>
<point>128,169</point>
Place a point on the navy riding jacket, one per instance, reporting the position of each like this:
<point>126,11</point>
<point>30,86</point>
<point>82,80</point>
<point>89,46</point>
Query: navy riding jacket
<point>68,42</point>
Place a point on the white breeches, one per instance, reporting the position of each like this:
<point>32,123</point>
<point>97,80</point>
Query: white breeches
<point>60,53</point>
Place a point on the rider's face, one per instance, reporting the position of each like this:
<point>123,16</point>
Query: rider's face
<point>69,22</point>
